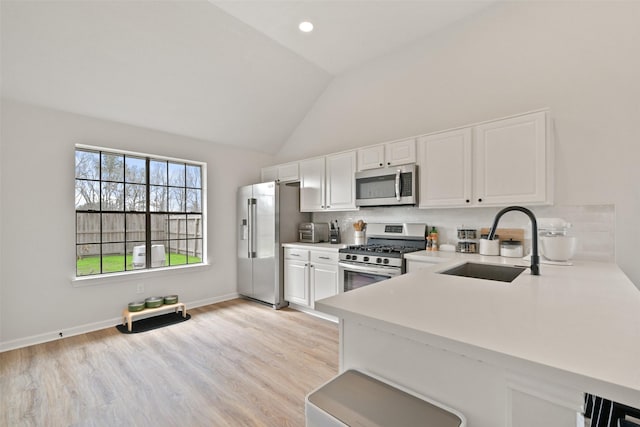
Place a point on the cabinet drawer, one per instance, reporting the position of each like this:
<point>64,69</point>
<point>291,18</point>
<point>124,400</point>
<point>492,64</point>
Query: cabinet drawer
<point>324,257</point>
<point>299,254</point>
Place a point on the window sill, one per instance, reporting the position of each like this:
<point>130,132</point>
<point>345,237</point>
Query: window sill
<point>125,276</point>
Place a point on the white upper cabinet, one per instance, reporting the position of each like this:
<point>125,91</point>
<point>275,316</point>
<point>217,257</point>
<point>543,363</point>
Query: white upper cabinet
<point>328,183</point>
<point>312,185</point>
<point>513,161</point>
<point>287,172</point>
<point>371,157</point>
<point>445,169</point>
<point>400,152</point>
<point>390,154</point>
<point>341,185</point>
<point>498,163</point>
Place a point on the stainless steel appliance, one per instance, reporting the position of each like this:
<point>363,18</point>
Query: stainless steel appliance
<point>313,232</point>
<point>268,215</point>
<point>383,255</point>
<point>390,186</point>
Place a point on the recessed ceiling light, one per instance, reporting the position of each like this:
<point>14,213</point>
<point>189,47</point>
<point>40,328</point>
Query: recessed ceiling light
<point>306,26</point>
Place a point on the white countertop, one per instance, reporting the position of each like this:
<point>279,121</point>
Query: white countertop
<point>582,319</point>
<point>316,246</point>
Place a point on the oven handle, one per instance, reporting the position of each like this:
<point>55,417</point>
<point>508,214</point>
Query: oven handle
<point>382,271</point>
<point>398,193</point>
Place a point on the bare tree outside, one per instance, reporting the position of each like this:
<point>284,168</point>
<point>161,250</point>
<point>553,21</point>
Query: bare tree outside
<point>111,207</point>
<point>87,170</point>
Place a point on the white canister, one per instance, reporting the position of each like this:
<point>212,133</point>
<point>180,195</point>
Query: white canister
<point>511,248</point>
<point>489,247</point>
<point>359,237</point>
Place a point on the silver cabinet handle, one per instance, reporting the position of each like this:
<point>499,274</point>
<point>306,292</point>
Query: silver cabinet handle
<point>324,257</point>
<point>294,254</point>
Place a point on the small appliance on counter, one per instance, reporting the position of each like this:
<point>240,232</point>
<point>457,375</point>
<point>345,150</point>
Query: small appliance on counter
<point>313,232</point>
<point>555,242</point>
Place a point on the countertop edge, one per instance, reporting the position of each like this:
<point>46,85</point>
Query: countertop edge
<point>324,246</point>
<point>553,374</point>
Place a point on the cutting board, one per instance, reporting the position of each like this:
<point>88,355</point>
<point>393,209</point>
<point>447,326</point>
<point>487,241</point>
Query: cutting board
<point>507,233</point>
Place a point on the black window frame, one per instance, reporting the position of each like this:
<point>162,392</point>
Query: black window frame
<point>187,211</point>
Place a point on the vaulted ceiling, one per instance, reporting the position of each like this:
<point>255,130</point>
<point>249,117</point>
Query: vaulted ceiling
<point>230,72</point>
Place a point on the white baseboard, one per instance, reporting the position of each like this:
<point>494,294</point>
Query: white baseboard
<point>313,312</point>
<point>95,326</point>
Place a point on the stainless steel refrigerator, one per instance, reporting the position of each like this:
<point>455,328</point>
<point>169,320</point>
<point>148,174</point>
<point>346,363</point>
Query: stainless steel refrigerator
<point>268,215</point>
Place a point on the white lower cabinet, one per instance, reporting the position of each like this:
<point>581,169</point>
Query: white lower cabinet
<point>324,275</point>
<point>296,276</point>
<point>309,275</point>
<point>414,265</point>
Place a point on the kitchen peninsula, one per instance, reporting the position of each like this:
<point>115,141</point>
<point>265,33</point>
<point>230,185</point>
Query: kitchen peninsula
<point>504,354</point>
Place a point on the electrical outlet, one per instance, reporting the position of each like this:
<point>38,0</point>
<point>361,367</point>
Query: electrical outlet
<point>140,288</point>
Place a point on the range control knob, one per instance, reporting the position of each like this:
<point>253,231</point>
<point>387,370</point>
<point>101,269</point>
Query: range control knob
<point>379,260</point>
<point>353,258</point>
<point>365,259</point>
<point>385,261</point>
<point>348,257</point>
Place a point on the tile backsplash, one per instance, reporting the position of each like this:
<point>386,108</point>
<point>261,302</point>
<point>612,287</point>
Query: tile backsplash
<point>593,225</point>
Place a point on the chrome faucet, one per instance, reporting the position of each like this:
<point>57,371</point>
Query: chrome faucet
<point>535,260</point>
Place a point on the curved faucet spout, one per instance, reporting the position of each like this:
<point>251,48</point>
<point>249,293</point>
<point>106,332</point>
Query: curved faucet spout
<point>535,259</point>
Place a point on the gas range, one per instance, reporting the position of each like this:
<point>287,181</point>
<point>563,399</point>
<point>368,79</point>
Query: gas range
<point>386,245</point>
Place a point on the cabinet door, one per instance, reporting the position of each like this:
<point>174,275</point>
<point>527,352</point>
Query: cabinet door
<point>400,152</point>
<point>296,282</point>
<point>324,280</point>
<point>288,172</point>
<point>341,185</point>
<point>510,161</point>
<point>312,185</point>
<point>269,174</point>
<point>445,169</point>
<point>371,157</point>
<point>413,265</point>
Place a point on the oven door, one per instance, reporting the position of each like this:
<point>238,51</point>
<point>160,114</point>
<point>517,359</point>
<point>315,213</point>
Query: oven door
<point>354,276</point>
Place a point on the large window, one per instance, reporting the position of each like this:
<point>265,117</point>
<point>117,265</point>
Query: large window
<point>135,212</point>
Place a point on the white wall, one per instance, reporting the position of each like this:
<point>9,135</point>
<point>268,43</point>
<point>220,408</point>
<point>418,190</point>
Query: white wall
<point>38,299</point>
<point>580,59</point>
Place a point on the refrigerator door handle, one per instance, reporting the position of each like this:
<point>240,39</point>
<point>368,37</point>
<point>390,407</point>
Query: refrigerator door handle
<point>252,227</point>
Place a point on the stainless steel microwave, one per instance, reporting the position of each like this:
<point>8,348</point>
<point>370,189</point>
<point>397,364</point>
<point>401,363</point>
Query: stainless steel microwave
<point>395,185</point>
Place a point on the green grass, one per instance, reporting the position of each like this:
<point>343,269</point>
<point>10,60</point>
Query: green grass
<point>114,263</point>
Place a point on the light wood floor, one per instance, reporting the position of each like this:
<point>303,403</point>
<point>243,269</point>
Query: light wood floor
<point>236,363</point>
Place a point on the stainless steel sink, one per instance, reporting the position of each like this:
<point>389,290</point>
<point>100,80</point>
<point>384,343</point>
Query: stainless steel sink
<point>501,273</point>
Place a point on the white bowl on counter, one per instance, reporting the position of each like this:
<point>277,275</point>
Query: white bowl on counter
<point>558,248</point>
